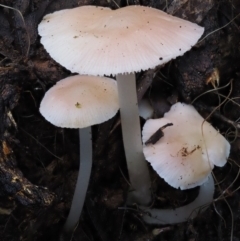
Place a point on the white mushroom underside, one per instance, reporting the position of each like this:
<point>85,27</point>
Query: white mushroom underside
<point>97,40</point>
<point>183,156</point>
<point>80,101</point>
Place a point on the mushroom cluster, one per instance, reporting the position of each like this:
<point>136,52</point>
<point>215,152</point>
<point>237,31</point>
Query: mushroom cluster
<point>100,41</point>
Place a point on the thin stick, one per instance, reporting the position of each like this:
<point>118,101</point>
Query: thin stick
<point>28,37</point>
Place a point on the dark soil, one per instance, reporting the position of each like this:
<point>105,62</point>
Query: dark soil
<point>39,162</point>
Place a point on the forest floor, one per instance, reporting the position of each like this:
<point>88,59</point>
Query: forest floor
<point>39,162</point>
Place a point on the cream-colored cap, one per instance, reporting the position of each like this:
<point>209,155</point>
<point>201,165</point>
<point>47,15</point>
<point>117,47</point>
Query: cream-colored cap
<point>184,157</point>
<point>80,101</point>
<point>97,40</point>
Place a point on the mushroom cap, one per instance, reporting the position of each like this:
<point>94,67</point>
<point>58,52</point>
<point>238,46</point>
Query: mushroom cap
<point>80,101</point>
<point>188,151</point>
<point>97,40</point>
<point>145,109</point>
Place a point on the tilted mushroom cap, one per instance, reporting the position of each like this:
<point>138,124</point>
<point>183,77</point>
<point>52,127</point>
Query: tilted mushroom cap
<point>184,157</point>
<point>97,40</point>
<point>80,101</point>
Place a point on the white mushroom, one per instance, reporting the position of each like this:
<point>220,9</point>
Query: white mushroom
<point>79,102</point>
<point>145,109</point>
<point>100,41</point>
<point>180,214</point>
<point>185,156</point>
<point>110,42</point>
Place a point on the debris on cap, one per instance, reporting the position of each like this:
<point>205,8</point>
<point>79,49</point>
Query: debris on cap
<point>184,157</point>
<point>80,101</point>
<point>97,40</point>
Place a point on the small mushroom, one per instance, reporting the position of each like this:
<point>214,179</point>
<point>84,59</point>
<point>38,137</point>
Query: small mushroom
<point>185,156</point>
<point>180,214</point>
<point>80,102</point>
<point>145,109</point>
<point>100,41</point>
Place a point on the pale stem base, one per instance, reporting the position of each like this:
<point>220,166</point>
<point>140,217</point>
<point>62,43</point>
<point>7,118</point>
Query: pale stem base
<point>182,214</point>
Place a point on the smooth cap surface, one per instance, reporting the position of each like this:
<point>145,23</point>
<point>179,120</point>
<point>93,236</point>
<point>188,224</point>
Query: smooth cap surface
<point>80,101</point>
<point>97,40</point>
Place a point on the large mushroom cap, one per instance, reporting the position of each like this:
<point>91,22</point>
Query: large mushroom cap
<point>184,156</point>
<point>97,40</point>
<point>80,101</point>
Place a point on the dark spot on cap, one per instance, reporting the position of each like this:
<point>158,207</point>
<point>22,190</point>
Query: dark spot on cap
<point>78,105</point>
<point>180,49</point>
<point>160,58</point>
<point>180,26</point>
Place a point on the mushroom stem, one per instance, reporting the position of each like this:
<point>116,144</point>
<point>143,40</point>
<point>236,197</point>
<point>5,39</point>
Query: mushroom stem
<point>182,214</point>
<point>137,166</point>
<point>85,137</point>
